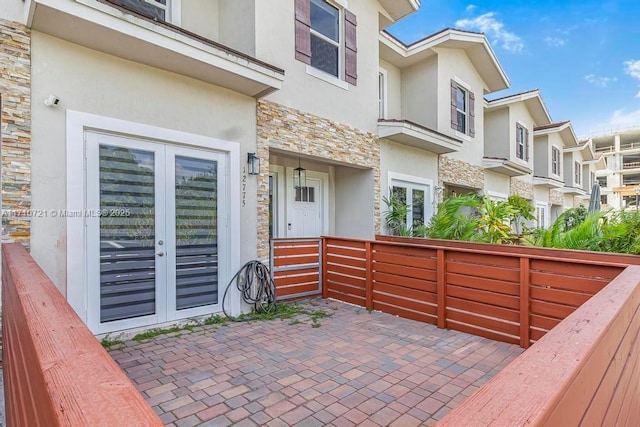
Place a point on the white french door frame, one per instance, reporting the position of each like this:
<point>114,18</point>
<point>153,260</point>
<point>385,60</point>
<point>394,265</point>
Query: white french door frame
<point>78,173</point>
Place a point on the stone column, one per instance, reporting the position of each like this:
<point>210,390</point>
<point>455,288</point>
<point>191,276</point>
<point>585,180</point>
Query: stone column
<point>15,90</point>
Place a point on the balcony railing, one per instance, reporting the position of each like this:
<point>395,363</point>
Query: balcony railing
<point>631,165</point>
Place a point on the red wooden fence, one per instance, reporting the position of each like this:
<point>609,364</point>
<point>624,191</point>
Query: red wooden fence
<point>55,372</point>
<point>295,267</point>
<point>507,293</point>
<point>586,371</point>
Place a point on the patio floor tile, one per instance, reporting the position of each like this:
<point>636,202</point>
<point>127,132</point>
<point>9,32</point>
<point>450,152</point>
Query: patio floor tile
<point>357,368</point>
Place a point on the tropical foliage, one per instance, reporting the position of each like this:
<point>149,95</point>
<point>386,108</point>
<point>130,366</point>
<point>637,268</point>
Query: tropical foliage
<point>480,219</point>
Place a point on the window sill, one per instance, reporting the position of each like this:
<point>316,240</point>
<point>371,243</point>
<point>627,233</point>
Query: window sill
<point>327,77</point>
<point>463,136</point>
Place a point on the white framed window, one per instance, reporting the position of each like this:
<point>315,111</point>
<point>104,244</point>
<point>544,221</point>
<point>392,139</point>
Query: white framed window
<point>382,94</point>
<point>461,109</point>
<point>541,215</point>
<point>416,193</point>
<point>522,142</point>
<point>577,172</point>
<point>327,37</point>
<point>497,197</point>
<point>555,161</point>
<point>160,10</point>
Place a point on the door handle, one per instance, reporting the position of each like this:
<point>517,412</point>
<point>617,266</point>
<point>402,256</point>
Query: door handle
<point>160,253</point>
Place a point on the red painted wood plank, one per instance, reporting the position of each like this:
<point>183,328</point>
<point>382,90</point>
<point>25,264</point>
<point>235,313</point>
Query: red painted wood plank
<point>483,271</point>
<point>297,260</point>
<point>408,282</point>
<point>400,270</point>
<point>480,283</point>
<point>351,299</point>
<point>575,299</point>
<point>407,314</point>
<point>567,268</point>
<point>409,261</point>
<point>499,300</point>
<point>491,324</point>
<point>483,309</point>
<point>298,289</point>
<point>341,260</point>
<point>474,330</point>
<point>570,283</point>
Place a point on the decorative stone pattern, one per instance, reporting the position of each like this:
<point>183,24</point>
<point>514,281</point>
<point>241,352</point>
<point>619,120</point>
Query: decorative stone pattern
<point>556,197</point>
<point>15,89</point>
<point>457,172</point>
<point>522,188</point>
<point>299,132</point>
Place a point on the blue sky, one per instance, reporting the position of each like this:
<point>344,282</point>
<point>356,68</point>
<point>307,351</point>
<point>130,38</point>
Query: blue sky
<point>583,55</point>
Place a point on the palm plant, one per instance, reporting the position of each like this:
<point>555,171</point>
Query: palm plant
<point>495,221</point>
<point>396,216</point>
<point>454,219</point>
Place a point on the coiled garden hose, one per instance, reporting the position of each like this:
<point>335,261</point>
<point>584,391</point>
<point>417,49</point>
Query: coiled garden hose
<point>253,280</point>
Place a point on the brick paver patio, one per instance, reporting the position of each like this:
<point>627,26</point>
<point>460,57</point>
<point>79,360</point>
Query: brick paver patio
<point>357,368</point>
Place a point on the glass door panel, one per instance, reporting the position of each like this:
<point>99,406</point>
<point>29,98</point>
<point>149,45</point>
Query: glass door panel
<point>196,232</point>
<point>127,233</point>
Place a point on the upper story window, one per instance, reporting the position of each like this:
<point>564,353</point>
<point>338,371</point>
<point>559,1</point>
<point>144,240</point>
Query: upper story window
<point>326,38</point>
<point>159,10</point>
<point>522,143</point>
<point>577,172</point>
<point>555,161</point>
<point>462,109</point>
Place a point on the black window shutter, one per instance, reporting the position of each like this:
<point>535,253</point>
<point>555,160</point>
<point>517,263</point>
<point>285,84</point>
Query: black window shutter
<point>303,30</point>
<point>454,105</point>
<point>526,144</point>
<point>472,114</point>
<point>351,48</point>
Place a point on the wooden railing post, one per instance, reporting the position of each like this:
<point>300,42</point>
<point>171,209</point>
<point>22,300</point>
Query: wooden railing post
<point>441,288</point>
<point>368,284</point>
<point>525,296</point>
<point>325,290</point>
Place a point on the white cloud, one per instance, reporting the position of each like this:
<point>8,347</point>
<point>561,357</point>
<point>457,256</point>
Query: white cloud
<point>600,81</point>
<point>620,119</point>
<point>494,29</point>
<point>471,8</point>
<point>632,68</point>
<point>555,41</point>
<point>638,95</point>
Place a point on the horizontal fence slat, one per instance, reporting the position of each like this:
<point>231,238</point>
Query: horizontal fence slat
<point>505,301</point>
<point>297,260</point>
<point>474,330</point>
<point>484,309</point>
<point>297,289</point>
<point>358,282</point>
<point>409,261</point>
<point>569,283</point>
<point>400,270</point>
<point>550,309</point>
<point>349,298</point>
<point>402,291</point>
<point>488,272</point>
<point>346,289</point>
<point>575,299</point>
<point>341,260</point>
<point>568,268</point>
<point>408,303</point>
<point>406,282</point>
<point>287,251</point>
<point>491,324</point>
<point>475,282</point>
<point>493,260</point>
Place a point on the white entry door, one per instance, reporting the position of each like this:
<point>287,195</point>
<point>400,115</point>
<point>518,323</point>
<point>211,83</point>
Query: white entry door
<point>305,216</point>
<point>153,235</point>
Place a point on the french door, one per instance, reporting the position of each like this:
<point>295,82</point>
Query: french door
<point>152,232</point>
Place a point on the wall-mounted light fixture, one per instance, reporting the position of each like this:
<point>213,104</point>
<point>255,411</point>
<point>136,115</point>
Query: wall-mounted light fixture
<point>299,176</point>
<point>253,163</point>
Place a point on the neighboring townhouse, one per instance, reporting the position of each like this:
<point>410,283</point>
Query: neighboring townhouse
<point>509,149</point>
<point>431,125</point>
<point>620,179</point>
<point>557,167</point>
<point>150,147</point>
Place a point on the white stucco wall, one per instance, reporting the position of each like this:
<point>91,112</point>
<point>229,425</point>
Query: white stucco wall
<point>496,133</point>
<point>92,82</point>
<point>237,25</point>
<point>12,10</point>
<point>455,64</point>
<point>201,17</point>
<point>354,202</point>
<point>520,115</point>
<point>541,194</point>
<point>541,156</point>
<point>394,90</point>
<point>420,93</point>
<point>275,43</point>
<point>496,184</point>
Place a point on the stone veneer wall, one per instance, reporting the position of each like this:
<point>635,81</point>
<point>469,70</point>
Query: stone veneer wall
<point>556,197</point>
<point>457,172</point>
<point>298,132</point>
<point>522,188</point>
<point>15,90</point>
